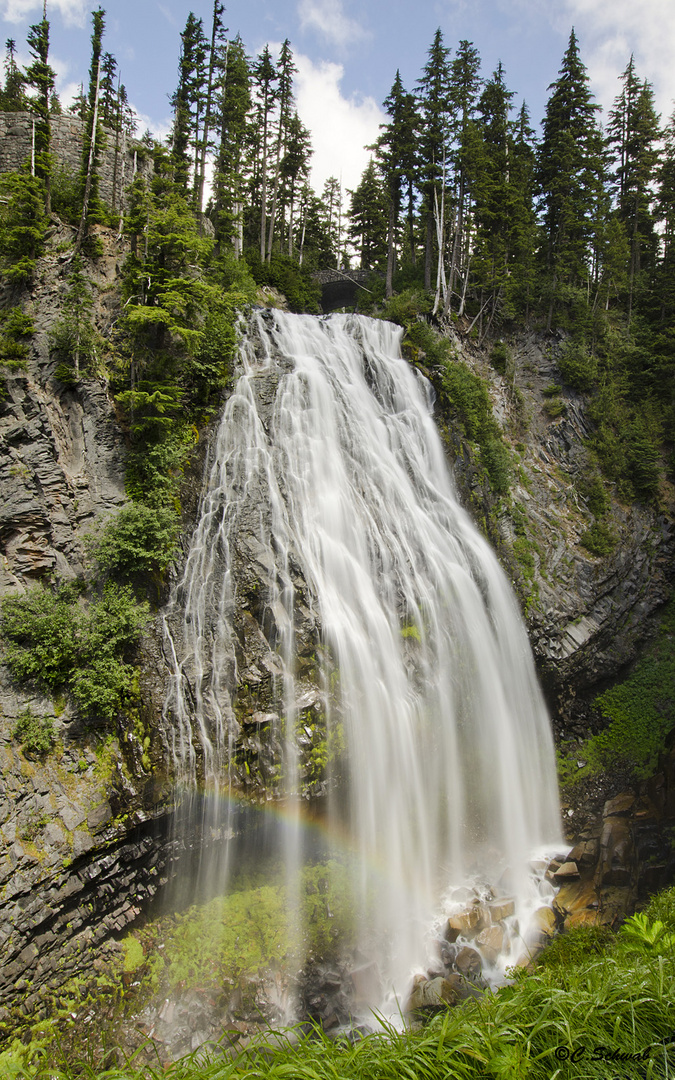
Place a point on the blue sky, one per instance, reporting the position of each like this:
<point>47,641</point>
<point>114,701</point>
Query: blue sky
<point>347,52</point>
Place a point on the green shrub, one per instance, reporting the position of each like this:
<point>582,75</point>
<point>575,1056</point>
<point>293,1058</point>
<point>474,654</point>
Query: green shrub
<point>552,390</point>
<point>40,630</point>
<point>284,274</point>
<point>639,712</point>
<point>642,460</point>
<point>74,335</point>
<point>406,307</point>
<point>662,907</point>
<point>555,407</point>
<point>639,716</point>
<point>578,368</point>
<point>138,539</point>
<point>15,328</point>
<point>499,356</point>
<point>600,539</point>
<point>594,492</point>
<point>35,734</point>
<point>22,225</point>
<point>575,946</point>
<point>54,641</point>
<point>468,395</point>
<point>155,465</point>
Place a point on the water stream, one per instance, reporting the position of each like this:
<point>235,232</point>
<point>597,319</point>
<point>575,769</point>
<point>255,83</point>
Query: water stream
<point>328,477</point>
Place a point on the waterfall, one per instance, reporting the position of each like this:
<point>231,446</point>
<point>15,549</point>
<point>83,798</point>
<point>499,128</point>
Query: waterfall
<point>328,506</point>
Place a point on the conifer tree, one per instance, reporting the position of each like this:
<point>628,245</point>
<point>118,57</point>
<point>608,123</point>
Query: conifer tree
<point>633,134</point>
<point>78,106</point>
<point>434,94</point>
<point>368,219</point>
<point>92,142</point>
<point>108,90</point>
<point>570,174</point>
<point>285,71</point>
<point>331,216</point>
<point>41,77</point>
<point>12,95</point>
<point>74,335</point>
<point>22,225</point>
<point>523,229</point>
<point>265,81</point>
<point>491,185</point>
<point>665,280</point>
<point>463,90</point>
<point>188,99</point>
<point>295,169</point>
<point>233,102</point>
<point>217,62</point>
<point>396,152</point>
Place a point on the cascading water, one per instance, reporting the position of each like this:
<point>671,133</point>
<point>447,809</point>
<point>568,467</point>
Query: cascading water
<point>329,471</point>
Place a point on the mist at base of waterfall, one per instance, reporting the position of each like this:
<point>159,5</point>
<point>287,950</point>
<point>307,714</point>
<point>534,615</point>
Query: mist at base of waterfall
<point>439,767</point>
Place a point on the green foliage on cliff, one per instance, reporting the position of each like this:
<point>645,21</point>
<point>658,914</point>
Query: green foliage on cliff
<point>35,734</point>
<point>638,712</point>
<point>22,226</point>
<point>73,336</point>
<point>15,329</point>
<point>53,640</point>
<point>139,539</point>
<point>464,395</point>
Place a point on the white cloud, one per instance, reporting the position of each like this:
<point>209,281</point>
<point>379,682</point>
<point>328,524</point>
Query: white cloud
<point>159,129</point>
<point>341,127</point>
<point>329,19</point>
<point>609,32</point>
<point>73,11</point>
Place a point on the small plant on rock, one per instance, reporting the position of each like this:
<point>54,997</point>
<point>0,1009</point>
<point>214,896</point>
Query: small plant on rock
<point>35,734</point>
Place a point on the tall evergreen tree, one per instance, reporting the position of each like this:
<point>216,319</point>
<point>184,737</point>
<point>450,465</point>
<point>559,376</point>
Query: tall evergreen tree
<point>434,95</point>
<point>491,185</point>
<point>187,100</point>
<point>633,134</point>
<point>233,102</point>
<point>42,78</point>
<point>92,142</point>
<point>265,78</point>
<point>217,62</point>
<point>13,94</point>
<point>463,91</point>
<point>368,219</point>
<point>396,152</point>
<point>571,173</point>
<point>285,71</point>
<point>295,169</point>
<point>108,90</point>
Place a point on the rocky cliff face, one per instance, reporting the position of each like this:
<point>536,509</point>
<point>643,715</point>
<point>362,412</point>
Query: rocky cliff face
<point>83,833</point>
<point>78,846</point>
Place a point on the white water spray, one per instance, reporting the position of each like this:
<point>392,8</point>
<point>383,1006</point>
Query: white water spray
<point>328,446</point>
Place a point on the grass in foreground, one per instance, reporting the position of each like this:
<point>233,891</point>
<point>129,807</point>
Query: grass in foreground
<point>591,1009</point>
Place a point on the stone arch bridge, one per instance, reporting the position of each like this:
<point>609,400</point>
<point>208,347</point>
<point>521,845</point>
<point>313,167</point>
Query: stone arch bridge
<point>339,288</point>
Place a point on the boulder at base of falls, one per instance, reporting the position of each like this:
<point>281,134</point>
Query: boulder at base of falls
<point>491,943</point>
<point>468,962</point>
<point>435,993</point>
